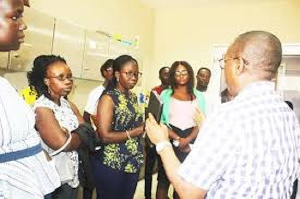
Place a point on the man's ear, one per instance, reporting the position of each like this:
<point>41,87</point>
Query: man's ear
<point>240,65</point>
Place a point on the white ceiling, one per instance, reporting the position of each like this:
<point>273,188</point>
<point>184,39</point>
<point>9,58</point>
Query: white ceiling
<point>198,3</point>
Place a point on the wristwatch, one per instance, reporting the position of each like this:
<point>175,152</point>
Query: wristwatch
<point>162,145</point>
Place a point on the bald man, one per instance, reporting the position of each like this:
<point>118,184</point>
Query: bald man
<point>24,169</point>
<point>249,147</point>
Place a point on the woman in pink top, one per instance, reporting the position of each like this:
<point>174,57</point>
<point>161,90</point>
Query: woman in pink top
<point>180,105</point>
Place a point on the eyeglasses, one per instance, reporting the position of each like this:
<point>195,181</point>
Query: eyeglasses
<point>109,69</point>
<point>223,61</point>
<point>130,75</point>
<point>62,78</point>
<point>181,73</point>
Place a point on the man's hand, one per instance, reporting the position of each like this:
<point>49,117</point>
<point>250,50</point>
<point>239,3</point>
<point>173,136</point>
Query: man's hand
<point>198,117</point>
<point>156,133</point>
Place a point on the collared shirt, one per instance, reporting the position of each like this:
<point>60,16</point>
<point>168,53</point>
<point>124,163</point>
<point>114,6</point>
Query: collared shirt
<point>29,177</point>
<point>248,148</point>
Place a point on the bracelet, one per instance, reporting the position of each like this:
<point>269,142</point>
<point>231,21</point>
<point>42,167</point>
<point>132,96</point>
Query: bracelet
<point>162,145</point>
<point>128,135</point>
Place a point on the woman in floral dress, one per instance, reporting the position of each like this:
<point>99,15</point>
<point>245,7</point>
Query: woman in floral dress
<point>120,127</point>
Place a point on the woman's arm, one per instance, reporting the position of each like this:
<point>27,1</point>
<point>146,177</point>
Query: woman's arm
<point>51,132</point>
<point>184,142</point>
<point>198,118</point>
<point>173,135</point>
<point>104,119</point>
<point>77,113</point>
<point>157,134</point>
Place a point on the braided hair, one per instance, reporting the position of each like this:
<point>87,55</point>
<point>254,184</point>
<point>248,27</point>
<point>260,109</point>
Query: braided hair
<point>39,72</point>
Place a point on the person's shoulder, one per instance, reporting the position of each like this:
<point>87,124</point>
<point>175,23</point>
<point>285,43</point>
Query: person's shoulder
<point>98,90</point>
<point>110,95</point>
<point>198,94</point>
<point>157,89</point>
<point>43,101</point>
<point>4,81</point>
<point>5,84</point>
<point>167,91</point>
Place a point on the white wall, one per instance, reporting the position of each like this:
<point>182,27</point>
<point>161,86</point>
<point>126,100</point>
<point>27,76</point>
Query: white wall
<point>190,33</point>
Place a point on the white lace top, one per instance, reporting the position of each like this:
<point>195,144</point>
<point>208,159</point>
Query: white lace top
<point>67,119</point>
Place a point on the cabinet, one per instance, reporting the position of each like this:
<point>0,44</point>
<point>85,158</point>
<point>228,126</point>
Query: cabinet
<point>95,54</point>
<point>84,50</point>
<point>68,42</point>
<point>38,40</point>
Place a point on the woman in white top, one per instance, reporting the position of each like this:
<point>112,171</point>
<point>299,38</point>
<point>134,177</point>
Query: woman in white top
<point>56,118</point>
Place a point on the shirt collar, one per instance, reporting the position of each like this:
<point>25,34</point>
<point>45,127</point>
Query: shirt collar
<point>256,88</point>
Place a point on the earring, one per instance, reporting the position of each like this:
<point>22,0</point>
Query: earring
<point>49,90</point>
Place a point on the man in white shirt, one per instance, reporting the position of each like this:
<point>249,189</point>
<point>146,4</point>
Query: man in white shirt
<point>203,78</point>
<point>249,147</point>
<point>90,109</point>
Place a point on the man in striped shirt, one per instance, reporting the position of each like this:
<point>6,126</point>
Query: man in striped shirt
<point>249,147</point>
<point>24,169</point>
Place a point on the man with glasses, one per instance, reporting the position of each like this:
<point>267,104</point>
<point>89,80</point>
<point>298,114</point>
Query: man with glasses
<point>249,147</point>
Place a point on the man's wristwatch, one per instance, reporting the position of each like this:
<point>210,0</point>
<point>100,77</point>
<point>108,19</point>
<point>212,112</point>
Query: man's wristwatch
<point>162,145</point>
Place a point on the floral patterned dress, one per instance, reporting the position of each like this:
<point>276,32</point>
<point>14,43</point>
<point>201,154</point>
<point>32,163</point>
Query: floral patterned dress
<point>125,156</point>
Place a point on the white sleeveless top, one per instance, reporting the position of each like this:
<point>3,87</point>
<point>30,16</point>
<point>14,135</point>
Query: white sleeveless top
<point>67,119</point>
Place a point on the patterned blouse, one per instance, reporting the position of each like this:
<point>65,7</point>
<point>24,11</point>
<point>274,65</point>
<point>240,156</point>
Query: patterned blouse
<point>125,156</point>
<point>67,119</point>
